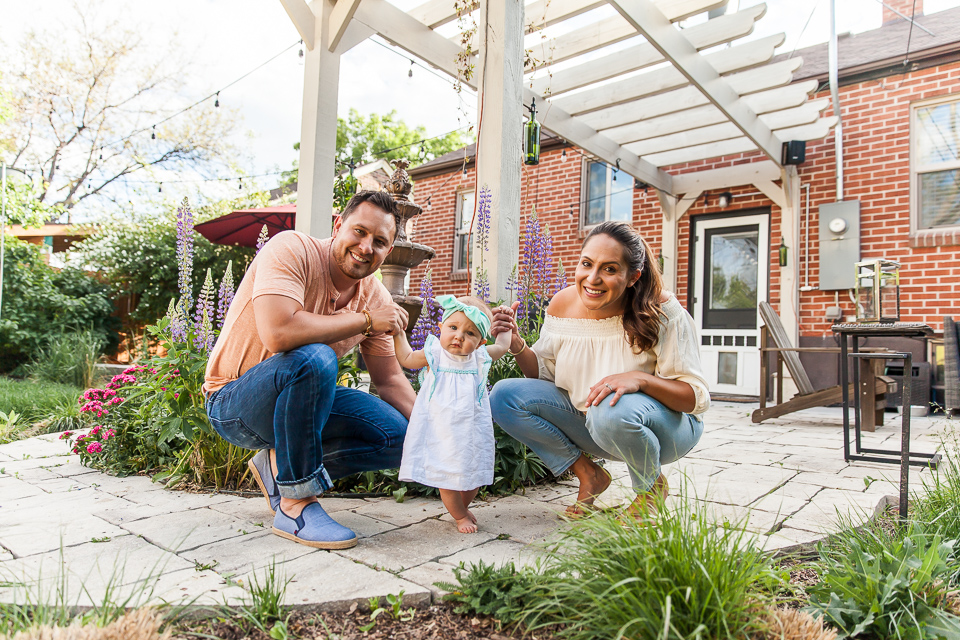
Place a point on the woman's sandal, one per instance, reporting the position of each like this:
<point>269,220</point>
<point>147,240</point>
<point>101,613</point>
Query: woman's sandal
<point>635,515</point>
<point>580,509</point>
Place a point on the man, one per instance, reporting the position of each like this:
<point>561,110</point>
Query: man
<point>271,382</point>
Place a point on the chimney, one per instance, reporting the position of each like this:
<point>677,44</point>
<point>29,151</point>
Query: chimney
<point>906,7</point>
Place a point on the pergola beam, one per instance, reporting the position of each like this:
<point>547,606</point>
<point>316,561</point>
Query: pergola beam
<point>648,20</point>
<point>303,19</point>
<point>340,18</point>
<point>411,35</point>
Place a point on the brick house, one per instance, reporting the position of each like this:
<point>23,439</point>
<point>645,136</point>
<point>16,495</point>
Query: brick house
<point>900,128</point>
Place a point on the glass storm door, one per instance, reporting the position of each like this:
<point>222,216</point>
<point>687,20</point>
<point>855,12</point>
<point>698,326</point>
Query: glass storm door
<point>729,281</point>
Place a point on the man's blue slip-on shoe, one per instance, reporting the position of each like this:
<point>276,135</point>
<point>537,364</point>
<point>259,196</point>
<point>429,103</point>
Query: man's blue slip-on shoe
<point>262,472</point>
<point>314,528</point>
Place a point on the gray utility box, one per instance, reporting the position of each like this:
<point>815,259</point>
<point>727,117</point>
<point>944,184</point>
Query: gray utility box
<point>919,385</point>
<point>839,244</point>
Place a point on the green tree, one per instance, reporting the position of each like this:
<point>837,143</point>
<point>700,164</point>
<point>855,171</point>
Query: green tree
<point>139,258</point>
<point>84,103</point>
<point>40,303</point>
<point>362,139</point>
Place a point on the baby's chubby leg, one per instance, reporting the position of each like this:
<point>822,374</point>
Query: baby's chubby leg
<point>454,502</point>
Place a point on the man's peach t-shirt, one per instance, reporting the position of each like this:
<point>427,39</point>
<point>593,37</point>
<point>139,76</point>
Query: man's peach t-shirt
<point>297,266</point>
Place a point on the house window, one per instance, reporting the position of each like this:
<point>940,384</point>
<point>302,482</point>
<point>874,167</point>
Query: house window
<point>936,164</point>
<point>462,236</point>
<point>607,194</point>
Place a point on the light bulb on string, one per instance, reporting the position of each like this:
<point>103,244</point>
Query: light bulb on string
<point>216,103</point>
<point>160,188</point>
<point>423,150</point>
<point>240,183</point>
<point>153,134</point>
<point>563,155</point>
<point>301,49</point>
<point>410,71</point>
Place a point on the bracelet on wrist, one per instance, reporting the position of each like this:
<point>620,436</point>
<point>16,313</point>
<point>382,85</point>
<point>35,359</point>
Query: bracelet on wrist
<point>518,352</point>
<point>368,329</point>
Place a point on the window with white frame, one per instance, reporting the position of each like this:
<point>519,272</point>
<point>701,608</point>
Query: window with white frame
<point>463,236</point>
<point>936,164</point>
<point>607,194</point>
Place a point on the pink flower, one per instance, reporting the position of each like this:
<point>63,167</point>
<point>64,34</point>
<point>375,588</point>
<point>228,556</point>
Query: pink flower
<point>109,433</point>
<point>114,401</point>
<point>95,430</point>
<point>65,435</point>
<point>176,395</point>
<point>94,447</point>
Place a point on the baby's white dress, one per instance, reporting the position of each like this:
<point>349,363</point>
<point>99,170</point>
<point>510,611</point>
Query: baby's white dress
<point>449,442</point>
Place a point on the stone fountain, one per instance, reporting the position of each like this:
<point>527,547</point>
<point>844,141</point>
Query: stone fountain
<point>406,254</point>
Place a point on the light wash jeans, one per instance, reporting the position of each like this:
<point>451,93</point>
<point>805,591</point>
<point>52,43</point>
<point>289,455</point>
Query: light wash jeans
<point>291,402</point>
<point>637,430</point>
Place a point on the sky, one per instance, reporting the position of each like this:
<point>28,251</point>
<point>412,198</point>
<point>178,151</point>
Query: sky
<point>226,39</point>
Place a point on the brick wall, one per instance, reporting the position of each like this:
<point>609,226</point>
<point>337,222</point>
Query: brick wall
<point>876,138</point>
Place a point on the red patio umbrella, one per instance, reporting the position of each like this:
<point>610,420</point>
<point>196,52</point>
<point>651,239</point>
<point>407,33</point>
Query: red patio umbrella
<point>243,227</point>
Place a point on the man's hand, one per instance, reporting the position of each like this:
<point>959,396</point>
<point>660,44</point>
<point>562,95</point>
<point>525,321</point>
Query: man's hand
<point>390,319</point>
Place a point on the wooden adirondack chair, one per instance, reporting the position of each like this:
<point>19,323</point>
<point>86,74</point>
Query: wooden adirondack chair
<point>872,386</point>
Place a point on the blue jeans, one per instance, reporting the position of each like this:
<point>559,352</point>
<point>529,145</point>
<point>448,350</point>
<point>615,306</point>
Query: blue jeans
<point>638,430</point>
<point>291,402</point>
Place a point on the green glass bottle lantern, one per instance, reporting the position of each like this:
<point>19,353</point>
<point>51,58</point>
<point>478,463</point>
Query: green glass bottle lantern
<point>783,253</point>
<point>531,138</point>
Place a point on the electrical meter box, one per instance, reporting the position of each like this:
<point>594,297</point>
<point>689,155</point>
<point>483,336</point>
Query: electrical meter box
<point>839,244</point>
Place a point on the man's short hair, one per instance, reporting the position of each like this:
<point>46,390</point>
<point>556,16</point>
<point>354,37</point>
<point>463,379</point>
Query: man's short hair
<point>380,199</point>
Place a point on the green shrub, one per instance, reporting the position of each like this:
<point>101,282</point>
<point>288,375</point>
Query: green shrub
<point>682,578</point>
<point>40,303</point>
<point>892,588</point>
<point>67,358</point>
<point>35,401</point>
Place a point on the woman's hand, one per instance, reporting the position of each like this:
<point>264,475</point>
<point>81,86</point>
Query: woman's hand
<point>615,386</point>
<point>504,319</point>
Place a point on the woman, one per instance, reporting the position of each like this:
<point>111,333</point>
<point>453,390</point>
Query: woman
<point>618,373</point>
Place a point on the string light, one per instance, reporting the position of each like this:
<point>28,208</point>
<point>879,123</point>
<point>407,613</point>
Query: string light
<point>153,134</point>
<point>240,183</point>
<point>160,188</point>
<point>301,49</point>
<point>410,71</point>
<point>216,103</point>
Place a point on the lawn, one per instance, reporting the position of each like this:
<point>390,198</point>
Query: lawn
<point>35,402</point>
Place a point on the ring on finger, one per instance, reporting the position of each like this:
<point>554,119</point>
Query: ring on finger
<point>608,386</point>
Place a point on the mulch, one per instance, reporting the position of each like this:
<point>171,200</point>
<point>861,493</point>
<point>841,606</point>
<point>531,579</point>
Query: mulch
<point>437,622</point>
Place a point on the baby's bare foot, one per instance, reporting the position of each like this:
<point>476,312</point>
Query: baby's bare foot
<point>467,524</point>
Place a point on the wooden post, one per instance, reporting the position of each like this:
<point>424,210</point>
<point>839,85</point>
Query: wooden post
<point>318,129</point>
<point>499,75</point>
<point>790,230</point>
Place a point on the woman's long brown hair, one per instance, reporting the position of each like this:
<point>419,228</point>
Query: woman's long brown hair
<point>641,309</point>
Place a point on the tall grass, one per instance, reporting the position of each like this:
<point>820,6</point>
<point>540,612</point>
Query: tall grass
<point>67,358</point>
<point>682,578</point>
<point>53,404</point>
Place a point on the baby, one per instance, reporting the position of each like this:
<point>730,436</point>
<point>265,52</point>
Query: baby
<point>449,442</point>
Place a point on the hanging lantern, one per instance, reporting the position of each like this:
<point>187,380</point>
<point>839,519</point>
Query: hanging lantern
<point>783,253</point>
<point>531,138</point>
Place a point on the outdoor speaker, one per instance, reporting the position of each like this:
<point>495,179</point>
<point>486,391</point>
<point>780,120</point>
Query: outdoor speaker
<point>793,152</point>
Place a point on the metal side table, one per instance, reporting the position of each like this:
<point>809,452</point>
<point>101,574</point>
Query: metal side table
<point>904,457</point>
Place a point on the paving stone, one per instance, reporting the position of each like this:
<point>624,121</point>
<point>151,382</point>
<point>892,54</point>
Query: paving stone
<point>13,489</point>
<point>197,588</point>
<point>780,503</point>
<point>520,518</point>
<point>411,546</point>
<point>238,556</point>
<point>362,525</point>
<point>59,485</point>
<point>428,574</point>
<point>818,464</point>
<point>743,484</point>
<point>336,582</point>
<point>35,448</point>
<point>333,504</point>
<point>186,530</point>
<point>819,439</point>
<point>821,516</point>
<point>752,519</point>
<point>550,492</point>
<point>404,513</point>
<point>735,452</point>
<point>46,527</point>
<point>829,481</point>
<point>497,553</point>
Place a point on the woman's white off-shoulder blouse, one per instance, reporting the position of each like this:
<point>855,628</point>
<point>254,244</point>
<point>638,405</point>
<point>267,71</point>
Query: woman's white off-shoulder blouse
<point>575,353</point>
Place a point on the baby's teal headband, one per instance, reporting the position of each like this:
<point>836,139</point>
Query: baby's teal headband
<point>451,305</point>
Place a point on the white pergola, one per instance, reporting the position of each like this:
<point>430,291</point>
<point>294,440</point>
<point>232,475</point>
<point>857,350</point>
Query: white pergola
<point>663,97</point>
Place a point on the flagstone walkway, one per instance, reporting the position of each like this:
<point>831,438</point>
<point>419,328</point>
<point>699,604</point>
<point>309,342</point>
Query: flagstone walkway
<point>786,477</point>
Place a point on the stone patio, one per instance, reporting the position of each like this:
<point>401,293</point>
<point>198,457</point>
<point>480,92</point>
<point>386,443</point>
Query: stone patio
<point>786,478</point>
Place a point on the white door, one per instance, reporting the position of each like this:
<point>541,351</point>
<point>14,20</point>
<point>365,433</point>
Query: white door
<point>729,280</point>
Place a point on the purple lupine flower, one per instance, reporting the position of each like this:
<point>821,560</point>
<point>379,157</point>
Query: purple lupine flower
<point>203,319</point>
<point>185,249</point>
<point>481,282</point>
<point>178,323</point>
<point>561,282</point>
<point>430,314</point>
<point>262,238</point>
<point>225,295</point>
<point>481,285</point>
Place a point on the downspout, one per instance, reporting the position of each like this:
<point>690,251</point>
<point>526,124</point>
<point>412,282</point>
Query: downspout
<point>835,97</point>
